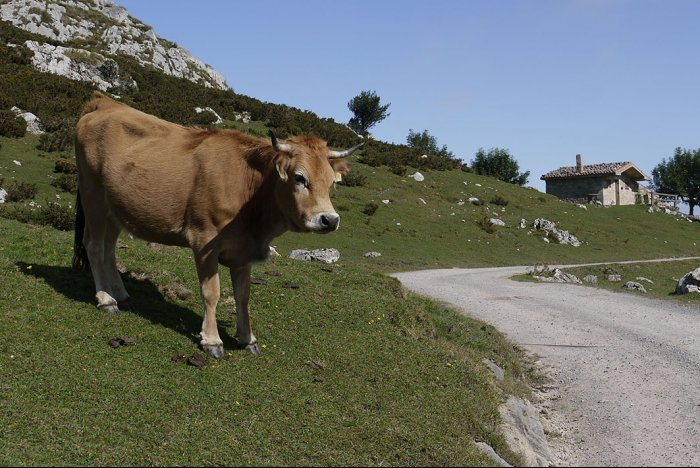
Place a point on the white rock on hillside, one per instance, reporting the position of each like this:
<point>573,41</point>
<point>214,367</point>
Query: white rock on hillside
<point>111,30</point>
<point>34,125</point>
<point>218,120</point>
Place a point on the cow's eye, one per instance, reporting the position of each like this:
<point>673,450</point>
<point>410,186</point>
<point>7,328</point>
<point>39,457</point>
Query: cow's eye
<point>300,180</point>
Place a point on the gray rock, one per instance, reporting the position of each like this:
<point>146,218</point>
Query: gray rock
<point>689,283</point>
<point>614,278</point>
<point>496,222</point>
<point>523,223</point>
<point>373,254</point>
<point>473,200</point>
<point>34,125</point>
<point>634,285</point>
<point>593,279</point>
<point>559,277</point>
<point>487,450</point>
<point>499,373</point>
<point>110,30</point>
<point>418,177</point>
<point>320,255</point>
<point>524,433</point>
<point>3,195</point>
<point>646,280</point>
<point>562,236</point>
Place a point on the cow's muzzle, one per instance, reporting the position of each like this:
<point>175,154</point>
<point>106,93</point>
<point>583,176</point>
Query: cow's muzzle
<point>324,222</point>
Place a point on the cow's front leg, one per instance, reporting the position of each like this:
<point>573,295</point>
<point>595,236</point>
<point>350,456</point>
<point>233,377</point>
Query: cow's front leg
<point>240,277</point>
<point>208,271</point>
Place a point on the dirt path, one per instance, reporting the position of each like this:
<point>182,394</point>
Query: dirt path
<point>625,368</point>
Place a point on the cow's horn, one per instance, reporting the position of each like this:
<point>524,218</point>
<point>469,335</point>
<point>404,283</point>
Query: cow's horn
<point>342,154</point>
<point>279,146</point>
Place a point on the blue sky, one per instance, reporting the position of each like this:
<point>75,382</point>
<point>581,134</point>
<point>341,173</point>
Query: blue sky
<point>613,80</point>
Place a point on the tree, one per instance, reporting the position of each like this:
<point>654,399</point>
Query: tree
<point>500,164</point>
<point>427,144</point>
<point>680,175</point>
<point>367,112</point>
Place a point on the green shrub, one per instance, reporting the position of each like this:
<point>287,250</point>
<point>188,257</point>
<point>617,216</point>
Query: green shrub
<point>370,208</point>
<point>11,125</point>
<point>398,170</point>
<point>353,179</point>
<point>60,140</point>
<point>18,212</point>
<point>20,191</point>
<point>53,214</point>
<point>499,200</point>
<point>59,216</point>
<point>485,224</point>
<point>65,166</point>
<point>66,183</point>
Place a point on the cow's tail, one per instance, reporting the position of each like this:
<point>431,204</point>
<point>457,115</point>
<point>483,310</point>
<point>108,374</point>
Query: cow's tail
<point>80,257</point>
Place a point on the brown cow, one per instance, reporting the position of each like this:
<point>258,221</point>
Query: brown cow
<point>223,194</point>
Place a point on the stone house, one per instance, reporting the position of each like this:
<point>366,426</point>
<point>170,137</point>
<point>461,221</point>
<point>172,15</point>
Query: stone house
<point>608,183</point>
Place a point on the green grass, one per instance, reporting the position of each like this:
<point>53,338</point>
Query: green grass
<point>401,382</point>
<point>665,276</point>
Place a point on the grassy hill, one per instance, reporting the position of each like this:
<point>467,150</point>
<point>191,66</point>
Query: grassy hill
<point>355,371</point>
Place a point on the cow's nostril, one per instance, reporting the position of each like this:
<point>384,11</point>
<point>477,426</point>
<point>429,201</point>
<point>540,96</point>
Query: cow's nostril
<point>330,221</point>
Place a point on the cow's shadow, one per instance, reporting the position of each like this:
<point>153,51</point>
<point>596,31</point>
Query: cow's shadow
<point>149,301</point>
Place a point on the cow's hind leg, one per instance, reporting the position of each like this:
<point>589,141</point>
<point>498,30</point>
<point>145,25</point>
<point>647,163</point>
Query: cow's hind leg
<point>94,241</point>
<point>208,272</point>
<point>116,284</point>
<point>240,277</point>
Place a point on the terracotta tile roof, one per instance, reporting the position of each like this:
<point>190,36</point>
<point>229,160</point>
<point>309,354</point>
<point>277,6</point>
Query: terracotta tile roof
<point>588,170</point>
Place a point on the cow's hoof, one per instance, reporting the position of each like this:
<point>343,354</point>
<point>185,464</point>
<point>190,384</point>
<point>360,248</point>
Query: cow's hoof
<point>254,349</point>
<point>126,304</point>
<point>109,308</point>
<point>215,351</point>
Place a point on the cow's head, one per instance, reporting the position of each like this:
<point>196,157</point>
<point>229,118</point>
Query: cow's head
<point>307,170</point>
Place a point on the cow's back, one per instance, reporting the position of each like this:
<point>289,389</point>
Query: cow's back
<point>141,165</point>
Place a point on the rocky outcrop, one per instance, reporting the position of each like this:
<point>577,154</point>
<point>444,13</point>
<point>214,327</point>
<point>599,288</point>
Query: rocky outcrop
<point>560,235</point>
<point>690,283</point>
<point>93,30</point>
<point>34,125</point>
<point>635,286</point>
<point>320,255</point>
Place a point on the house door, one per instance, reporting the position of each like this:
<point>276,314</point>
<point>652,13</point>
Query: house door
<point>617,191</point>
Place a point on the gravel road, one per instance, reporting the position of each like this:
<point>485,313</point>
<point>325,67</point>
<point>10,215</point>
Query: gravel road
<point>625,368</point>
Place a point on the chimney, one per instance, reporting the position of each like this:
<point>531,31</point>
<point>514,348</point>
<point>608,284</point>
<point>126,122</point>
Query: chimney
<point>579,163</point>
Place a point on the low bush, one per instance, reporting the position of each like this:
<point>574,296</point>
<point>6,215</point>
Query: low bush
<point>52,214</point>
<point>66,183</point>
<point>65,166</point>
<point>370,208</point>
<point>20,191</point>
<point>60,140</point>
<point>11,125</point>
<point>61,217</point>
<point>353,179</point>
<point>485,224</point>
<point>499,200</point>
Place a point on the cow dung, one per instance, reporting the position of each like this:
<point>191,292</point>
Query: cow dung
<point>273,273</point>
<point>261,281</point>
<point>290,285</point>
<point>198,360</point>
<point>119,341</point>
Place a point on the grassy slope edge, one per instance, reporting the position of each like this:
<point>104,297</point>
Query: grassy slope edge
<point>355,371</point>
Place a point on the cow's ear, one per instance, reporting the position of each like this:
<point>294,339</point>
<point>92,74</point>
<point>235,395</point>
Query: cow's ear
<point>282,165</point>
<point>340,167</point>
